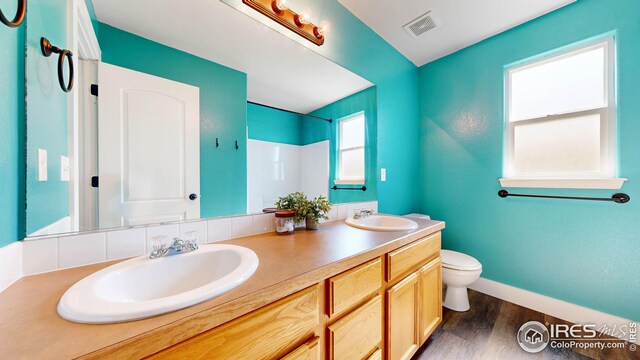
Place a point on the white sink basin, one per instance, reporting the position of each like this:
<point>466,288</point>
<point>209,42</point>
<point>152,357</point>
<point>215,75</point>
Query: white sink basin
<point>140,288</point>
<point>383,223</point>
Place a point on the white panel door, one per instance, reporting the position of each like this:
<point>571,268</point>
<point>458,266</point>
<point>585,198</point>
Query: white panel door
<point>148,148</point>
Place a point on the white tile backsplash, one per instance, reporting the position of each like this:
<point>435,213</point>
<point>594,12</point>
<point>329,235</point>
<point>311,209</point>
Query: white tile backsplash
<point>219,229</point>
<point>10,264</point>
<point>170,231</point>
<point>241,226</point>
<point>81,250</point>
<point>333,214</point>
<point>200,228</point>
<point>342,211</point>
<point>126,243</point>
<point>353,206</point>
<point>263,223</point>
<point>40,256</point>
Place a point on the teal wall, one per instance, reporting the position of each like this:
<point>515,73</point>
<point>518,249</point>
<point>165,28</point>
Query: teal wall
<point>11,129</point>
<point>223,113</point>
<point>278,126</point>
<point>353,45</point>
<point>46,114</point>
<point>273,125</point>
<point>581,252</point>
<point>315,131</point>
<point>92,15</point>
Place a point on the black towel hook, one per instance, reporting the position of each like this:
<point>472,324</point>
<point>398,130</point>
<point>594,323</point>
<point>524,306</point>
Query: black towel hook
<point>20,13</point>
<point>47,50</point>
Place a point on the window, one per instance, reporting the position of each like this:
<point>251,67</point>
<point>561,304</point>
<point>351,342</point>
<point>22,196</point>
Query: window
<point>351,149</point>
<point>560,120</point>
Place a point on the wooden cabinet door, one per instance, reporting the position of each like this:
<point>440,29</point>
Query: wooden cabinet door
<point>402,319</point>
<point>430,298</point>
<point>357,334</point>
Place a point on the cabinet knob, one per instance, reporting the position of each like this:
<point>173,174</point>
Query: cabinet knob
<point>193,197</point>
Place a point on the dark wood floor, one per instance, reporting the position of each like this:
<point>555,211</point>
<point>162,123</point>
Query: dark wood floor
<point>488,331</point>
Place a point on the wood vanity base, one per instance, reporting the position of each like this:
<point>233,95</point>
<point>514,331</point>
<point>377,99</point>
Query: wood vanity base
<point>335,293</point>
<point>365,316</point>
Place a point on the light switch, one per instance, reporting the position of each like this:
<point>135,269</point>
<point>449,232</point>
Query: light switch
<point>42,165</point>
<point>383,174</point>
<point>64,168</point>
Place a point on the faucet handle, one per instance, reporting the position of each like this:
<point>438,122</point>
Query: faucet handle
<point>158,242</point>
<point>191,238</point>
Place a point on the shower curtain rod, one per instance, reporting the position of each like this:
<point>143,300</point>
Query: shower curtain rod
<point>289,111</point>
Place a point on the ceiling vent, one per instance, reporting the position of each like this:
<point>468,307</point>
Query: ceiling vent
<point>421,25</point>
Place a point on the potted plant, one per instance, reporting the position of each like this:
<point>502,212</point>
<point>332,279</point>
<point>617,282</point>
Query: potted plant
<point>314,210</point>
<point>297,202</point>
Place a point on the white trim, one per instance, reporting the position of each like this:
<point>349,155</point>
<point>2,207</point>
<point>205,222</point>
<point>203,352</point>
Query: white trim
<point>607,114</point>
<point>614,184</point>
<point>353,117</point>
<point>88,47</point>
<point>10,264</point>
<point>557,308</point>
<point>83,43</point>
<point>349,182</point>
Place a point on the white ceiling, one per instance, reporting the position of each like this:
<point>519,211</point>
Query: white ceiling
<point>280,72</point>
<point>462,22</point>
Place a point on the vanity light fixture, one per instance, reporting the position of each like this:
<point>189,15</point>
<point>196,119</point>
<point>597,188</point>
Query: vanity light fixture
<point>278,11</point>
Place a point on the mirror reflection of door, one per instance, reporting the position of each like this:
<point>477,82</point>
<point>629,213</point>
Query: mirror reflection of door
<point>148,149</point>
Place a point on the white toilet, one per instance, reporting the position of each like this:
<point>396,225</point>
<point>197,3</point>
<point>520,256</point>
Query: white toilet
<point>458,271</point>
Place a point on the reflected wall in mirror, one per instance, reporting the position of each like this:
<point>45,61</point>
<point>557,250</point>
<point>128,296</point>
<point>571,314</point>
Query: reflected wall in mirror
<point>178,131</point>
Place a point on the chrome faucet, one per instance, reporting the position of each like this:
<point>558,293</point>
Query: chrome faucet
<point>362,213</point>
<point>179,246</point>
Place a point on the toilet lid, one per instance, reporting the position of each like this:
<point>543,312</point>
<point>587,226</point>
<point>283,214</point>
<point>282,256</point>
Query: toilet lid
<point>459,261</point>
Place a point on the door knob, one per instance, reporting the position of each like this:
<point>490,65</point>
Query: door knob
<point>193,197</point>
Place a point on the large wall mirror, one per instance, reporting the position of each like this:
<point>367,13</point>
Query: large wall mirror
<point>168,122</point>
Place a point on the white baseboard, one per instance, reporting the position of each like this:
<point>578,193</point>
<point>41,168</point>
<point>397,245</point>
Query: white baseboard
<point>10,264</point>
<point>557,308</point>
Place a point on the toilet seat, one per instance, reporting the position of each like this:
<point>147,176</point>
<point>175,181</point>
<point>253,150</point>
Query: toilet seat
<point>458,261</point>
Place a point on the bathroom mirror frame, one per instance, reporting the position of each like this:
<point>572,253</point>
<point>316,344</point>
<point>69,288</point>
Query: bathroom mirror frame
<point>86,46</point>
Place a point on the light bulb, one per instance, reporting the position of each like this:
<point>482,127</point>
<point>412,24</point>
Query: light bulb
<point>279,6</point>
<point>301,19</point>
<point>318,32</point>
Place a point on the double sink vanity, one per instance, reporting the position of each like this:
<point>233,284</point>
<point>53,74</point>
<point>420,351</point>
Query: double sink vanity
<point>338,293</point>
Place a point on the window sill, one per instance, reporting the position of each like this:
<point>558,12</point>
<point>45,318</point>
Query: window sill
<point>613,183</point>
<point>349,182</point>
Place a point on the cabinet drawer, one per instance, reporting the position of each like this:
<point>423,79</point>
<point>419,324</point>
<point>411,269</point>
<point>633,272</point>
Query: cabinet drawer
<point>353,286</point>
<point>359,333</point>
<point>263,334</point>
<point>402,260</point>
<point>308,351</point>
